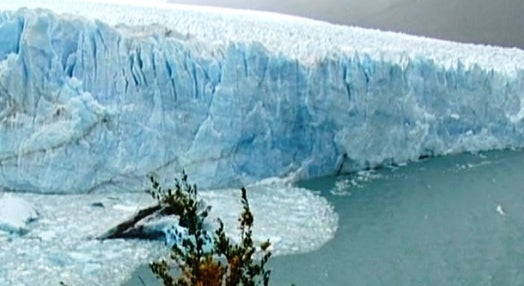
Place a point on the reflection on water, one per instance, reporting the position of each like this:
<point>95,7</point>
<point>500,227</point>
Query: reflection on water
<point>456,220</point>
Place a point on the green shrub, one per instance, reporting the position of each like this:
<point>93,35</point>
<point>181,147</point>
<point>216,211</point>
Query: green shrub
<point>223,264</point>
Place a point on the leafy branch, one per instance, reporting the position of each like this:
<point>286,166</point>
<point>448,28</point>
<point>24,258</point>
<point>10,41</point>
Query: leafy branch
<point>203,257</point>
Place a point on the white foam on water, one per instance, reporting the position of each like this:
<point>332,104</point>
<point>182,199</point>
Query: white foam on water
<point>345,184</point>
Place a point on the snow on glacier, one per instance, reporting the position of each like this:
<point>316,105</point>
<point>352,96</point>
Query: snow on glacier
<point>233,98</point>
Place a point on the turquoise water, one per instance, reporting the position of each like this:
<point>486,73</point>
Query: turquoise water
<point>455,220</point>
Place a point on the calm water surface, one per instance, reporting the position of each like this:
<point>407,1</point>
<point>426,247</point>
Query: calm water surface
<point>455,220</point>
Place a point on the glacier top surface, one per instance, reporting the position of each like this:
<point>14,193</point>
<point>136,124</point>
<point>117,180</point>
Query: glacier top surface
<point>303,39</point>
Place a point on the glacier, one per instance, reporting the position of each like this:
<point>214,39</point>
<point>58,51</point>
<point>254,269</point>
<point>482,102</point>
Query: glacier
<point>96,95</point>
<point>94,100</point>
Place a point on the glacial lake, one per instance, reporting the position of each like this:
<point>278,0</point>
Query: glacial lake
<point>452,220</point>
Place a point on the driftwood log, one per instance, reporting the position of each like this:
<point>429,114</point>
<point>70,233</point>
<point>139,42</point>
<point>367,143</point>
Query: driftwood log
<point>132,227</point>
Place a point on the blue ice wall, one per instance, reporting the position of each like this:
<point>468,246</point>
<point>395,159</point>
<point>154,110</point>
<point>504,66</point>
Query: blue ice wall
<point>87,107</point>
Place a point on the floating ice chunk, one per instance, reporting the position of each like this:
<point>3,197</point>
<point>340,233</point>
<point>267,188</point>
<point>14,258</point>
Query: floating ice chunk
<point>500,210</point>
<point>59,249</point>
<point>126,208</point>
<point>15,214</point>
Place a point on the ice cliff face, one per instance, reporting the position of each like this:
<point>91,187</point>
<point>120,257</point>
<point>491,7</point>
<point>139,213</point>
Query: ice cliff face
<point>88,105</point>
